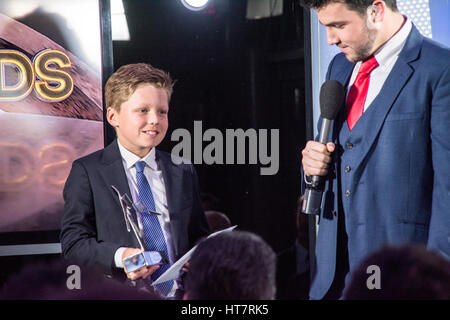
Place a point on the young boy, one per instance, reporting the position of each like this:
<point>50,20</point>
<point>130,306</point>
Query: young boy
<point>94,232</point>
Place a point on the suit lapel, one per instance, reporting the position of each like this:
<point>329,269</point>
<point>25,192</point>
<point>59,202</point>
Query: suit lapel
<point>345,73</point>
<point>343,76</point>
<point>397,79</point>
<point>113,172</point>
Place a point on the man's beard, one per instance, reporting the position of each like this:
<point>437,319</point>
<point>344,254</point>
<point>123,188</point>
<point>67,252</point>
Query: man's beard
<point>366,49</point>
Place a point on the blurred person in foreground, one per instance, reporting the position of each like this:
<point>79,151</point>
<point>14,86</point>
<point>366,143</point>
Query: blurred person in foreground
<point>408,272</point>
<point>236,265</point>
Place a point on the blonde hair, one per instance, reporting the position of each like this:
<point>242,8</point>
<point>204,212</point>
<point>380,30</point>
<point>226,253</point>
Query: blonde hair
<point>122,83</point>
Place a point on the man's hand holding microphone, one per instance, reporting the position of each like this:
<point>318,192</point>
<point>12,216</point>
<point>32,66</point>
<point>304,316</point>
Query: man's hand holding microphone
<point>317,155</point>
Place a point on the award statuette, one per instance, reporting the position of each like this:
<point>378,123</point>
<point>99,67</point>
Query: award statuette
<point>144,258</point>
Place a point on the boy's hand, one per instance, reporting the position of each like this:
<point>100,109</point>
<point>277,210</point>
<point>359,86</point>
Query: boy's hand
<point>143,272</point>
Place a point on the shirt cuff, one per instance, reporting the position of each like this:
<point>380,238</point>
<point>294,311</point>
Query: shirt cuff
<point>118,257</point>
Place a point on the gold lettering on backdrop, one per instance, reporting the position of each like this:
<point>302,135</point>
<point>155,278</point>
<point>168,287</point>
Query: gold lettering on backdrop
<point>17,166</point>
<point>53,85</point>
<point>14,65</point>
<point>21,166</point>
<point>56,161</point>
<point>19,75</point>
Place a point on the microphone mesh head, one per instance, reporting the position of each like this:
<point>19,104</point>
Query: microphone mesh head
<point>332,95</point>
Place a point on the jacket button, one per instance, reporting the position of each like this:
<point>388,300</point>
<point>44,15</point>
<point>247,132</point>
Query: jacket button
<point>349,145</point>
<point>347,193</point>
<point>347,168</point>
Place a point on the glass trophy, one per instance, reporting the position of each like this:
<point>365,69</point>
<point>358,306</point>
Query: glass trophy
<point>144,258</point>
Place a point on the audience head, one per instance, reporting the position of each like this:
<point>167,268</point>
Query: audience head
<point>234,265</point>
<point>217,220</point>
<point>408,272</point>
<point>59,280</point>
<point>210,201</point>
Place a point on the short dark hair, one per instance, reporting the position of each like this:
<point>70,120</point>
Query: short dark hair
<point>407,272</point>
<point>217,220</point>
<point>356,5</point>
<point>236,265</point>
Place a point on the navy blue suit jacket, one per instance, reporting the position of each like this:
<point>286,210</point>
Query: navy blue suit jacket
<point>399,182</point>
<point>93,225</point>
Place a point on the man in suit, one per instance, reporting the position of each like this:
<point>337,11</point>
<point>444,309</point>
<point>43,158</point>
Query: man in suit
<point>94,231</point>
<point>387,165</point>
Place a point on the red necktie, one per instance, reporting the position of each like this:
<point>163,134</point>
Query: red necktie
<point>358,92</point>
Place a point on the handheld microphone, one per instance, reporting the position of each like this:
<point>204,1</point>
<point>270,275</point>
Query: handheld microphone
<point>332,95</point>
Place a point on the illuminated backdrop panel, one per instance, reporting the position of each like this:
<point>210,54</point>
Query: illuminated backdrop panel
<point>51,109</point>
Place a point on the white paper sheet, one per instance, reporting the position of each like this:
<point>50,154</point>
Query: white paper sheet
<point>173,272</point>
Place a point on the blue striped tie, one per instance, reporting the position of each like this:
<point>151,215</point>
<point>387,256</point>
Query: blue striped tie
<point>154,237</point>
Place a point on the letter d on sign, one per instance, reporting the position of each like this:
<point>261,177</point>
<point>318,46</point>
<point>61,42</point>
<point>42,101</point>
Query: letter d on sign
<point>374,281</point>
<point>16,75</point>
<point>74,280</point>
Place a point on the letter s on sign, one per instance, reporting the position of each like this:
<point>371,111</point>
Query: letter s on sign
<point>52,85</point>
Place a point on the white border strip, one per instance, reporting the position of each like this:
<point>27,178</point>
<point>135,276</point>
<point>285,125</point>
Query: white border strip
<point>30,249</point>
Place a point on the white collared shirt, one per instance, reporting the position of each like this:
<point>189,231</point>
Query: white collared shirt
<point>386,57</point>
<point>155,178</point>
